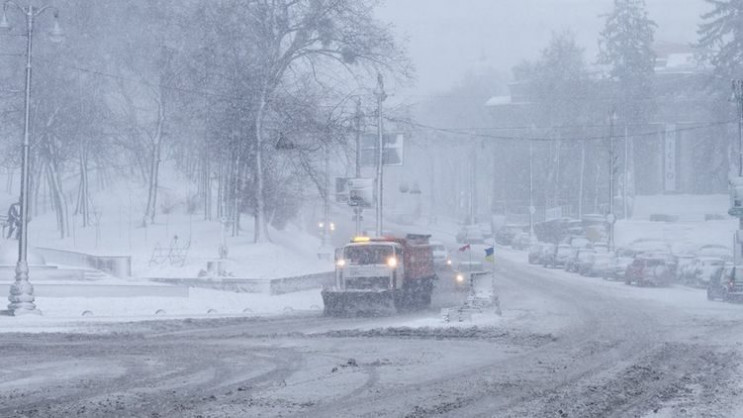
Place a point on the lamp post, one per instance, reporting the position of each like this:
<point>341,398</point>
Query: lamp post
<point>22,292</point>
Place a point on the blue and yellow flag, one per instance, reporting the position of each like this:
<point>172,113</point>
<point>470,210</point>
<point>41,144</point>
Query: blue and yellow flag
<point>490,254</point>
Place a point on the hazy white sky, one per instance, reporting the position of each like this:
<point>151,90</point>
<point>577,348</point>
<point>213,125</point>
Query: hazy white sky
<point>446,38</point>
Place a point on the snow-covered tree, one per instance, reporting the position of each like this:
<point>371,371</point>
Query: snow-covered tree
<point>279,43</point>
<point>560,82</point>
<point>626,46</point>
<point>721,37</point>
<point>560,87</point>
<point>721,45</point>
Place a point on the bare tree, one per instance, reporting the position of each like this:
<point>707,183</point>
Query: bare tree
<point>300,36</point>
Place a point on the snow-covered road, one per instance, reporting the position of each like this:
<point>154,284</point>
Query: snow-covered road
<point>566,346</point>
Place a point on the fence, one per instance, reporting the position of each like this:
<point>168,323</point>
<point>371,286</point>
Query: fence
<point>246,285</point>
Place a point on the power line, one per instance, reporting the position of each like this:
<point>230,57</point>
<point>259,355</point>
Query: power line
<point>471,133</point>
<point>180,89</point>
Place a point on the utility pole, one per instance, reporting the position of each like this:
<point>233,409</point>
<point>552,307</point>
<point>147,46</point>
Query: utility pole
<point>532,209</point>
<point>325,239</point>
<point>610,216</point>
<point>357,120</point>
<point>473,183</point>
<point>738,96</point>
<point>358,210</point>
<point>625,209</point>
<point>381,96</point>
<point>582,176</point>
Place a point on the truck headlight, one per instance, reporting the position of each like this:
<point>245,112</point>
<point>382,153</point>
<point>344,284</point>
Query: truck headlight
<point>392,262</point>
<point>459,278</point>
<point>340,263</point>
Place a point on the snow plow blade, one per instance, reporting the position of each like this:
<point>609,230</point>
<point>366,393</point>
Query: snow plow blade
<point>359,303</point>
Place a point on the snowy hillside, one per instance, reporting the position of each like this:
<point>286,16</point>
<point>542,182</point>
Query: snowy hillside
<point>117,230</point>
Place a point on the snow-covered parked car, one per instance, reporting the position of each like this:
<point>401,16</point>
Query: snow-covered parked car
<point>470,234</point>
<point>685,269</point>
<point>535,252</point>
<point>622,260</point>
<point>506,234</point>
<point>721,284</point>
<point>648,270</point>
<point>705,268</point>
<point>717,251</point>
<point>581,257</point>
<point>521,241</point>
<point>602,265</point>
<point>559,257</point>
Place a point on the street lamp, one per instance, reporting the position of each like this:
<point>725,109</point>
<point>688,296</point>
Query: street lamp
<point>22,292</point>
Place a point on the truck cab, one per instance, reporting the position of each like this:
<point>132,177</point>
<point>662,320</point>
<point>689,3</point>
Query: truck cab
<point>380,275</point>
<point>369,266</point>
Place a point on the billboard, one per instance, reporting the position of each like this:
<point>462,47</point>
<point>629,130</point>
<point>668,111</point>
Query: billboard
<point>355,191</point>
<point>393,145</point>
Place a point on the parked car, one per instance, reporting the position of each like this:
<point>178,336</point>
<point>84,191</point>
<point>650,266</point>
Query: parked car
<point>577,241</point>
<point>727,285</point>
<point>535,252</point>
<point>622,260</point>
<point>507,233</point>
<point>648,271</point>
<point>601,247</point>
<point>559,257</point>
<point>685,269</point>
<point>718,251</point>
<point>670,259</point>
<point>470,234</point>
<point>602,265</point>
<point>548,250</point>
<point>705,268</point>
<point>581,256</point>
<point>720,284</point>
<point>464,271</point>
<point>487,231</point>
<point>441,257</point>
<point>521,241</point>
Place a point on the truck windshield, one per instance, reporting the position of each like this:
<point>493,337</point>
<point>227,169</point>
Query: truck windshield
<point>368,254</point>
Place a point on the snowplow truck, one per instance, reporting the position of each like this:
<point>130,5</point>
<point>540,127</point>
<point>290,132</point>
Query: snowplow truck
<point>380,276</point>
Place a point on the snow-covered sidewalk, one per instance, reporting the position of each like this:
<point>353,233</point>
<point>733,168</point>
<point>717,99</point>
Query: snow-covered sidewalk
<point>70,313</point>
